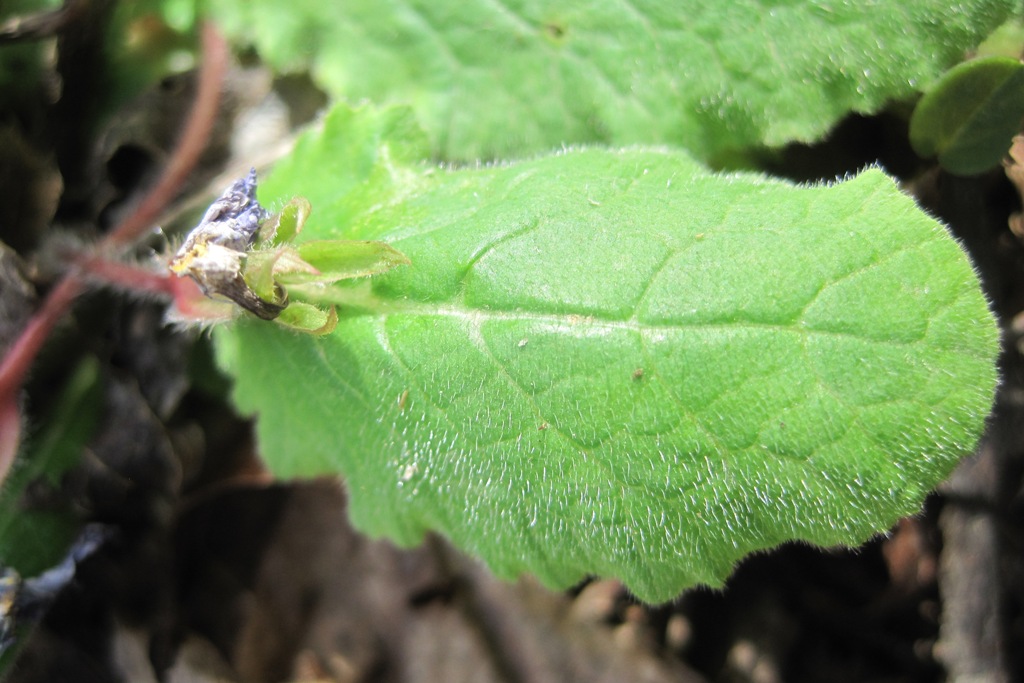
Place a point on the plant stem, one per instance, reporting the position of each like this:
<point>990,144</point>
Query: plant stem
<point>126,276</point>
<point>195,134</point>
<point>18,360</point>
<point>191,145</point>
<point>10,435</point>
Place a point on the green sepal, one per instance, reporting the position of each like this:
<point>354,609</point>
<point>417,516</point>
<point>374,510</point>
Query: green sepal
<point>258,273</point>
<point>307,318</point>
<point>334,260</point>
<point>284,226</point>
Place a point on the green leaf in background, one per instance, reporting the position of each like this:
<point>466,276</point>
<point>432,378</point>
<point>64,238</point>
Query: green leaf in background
<point>968,119</point>
<point>140,50</point>
<point>22,64</point>
<point>33,540</point>
<point>1005,41</point>
<point>616,363</point>
<point>499,80</point>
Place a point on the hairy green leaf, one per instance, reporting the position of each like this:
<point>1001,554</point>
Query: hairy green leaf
<point>968,119</point>
<point>616,363</point>
<point>493,80</point>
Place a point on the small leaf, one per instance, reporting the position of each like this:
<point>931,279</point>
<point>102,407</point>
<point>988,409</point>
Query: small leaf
<point>616,363</point>
<point>970,116</point>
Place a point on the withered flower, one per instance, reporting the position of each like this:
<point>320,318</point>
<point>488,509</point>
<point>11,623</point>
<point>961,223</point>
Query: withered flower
<point>214,252</point>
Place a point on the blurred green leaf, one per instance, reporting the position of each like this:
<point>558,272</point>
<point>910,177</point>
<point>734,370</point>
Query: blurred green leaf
<point>968,119</point>
<point>33,540</point>
<point>1005,41</point>
<point>21,64</point>
<point>500,80</point>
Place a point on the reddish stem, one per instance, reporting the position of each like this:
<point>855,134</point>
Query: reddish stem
<point>10,434</point>
<point>193,141</point>
<point>126,276</point>
<point>19,358</point>
<point>195,134</point>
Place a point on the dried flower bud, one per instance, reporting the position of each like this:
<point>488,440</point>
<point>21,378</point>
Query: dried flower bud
<point>234,218</point>
<point>214,252</point>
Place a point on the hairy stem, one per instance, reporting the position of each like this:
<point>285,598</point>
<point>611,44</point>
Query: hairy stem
<point>191,145</point>
<point>194,137</point>
<point>126,276</point>
<point>19,358</point>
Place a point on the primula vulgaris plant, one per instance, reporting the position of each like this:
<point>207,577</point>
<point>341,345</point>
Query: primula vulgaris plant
<point>605,361</point>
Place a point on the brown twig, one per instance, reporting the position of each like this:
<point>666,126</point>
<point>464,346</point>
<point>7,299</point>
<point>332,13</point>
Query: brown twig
<point>972,637</point>
<point>195,134</point>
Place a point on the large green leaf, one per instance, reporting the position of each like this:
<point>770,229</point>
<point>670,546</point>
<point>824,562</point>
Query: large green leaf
<point>493,80</point>
<point>614,362</point>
